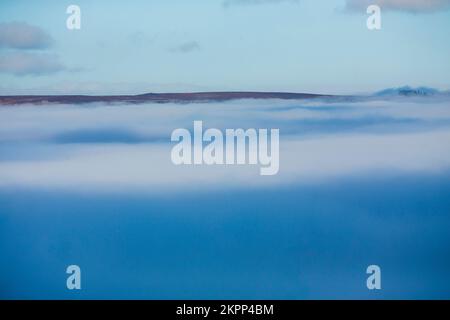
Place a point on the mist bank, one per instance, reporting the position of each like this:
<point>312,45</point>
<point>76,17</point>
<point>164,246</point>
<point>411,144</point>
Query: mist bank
<point>103,148</point>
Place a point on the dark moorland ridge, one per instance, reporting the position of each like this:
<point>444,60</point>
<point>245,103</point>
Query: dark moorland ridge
<point>155,97</point>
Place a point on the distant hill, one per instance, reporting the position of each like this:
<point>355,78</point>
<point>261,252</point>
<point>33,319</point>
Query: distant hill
<point>408,91</point>
<point>154,97</point>
<point>211,97</point>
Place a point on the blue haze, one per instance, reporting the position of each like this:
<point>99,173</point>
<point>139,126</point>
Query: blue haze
<point>289,243</point>
<point>300,239</point>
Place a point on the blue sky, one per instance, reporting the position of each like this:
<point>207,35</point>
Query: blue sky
<point>269,45</point>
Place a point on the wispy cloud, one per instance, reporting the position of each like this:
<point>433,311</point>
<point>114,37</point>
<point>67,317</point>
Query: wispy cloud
<point>186,47</point>
<point>416,6</point>
<point>22,63</point>
<point>20,35</point>
<point>228,3</point>
<point>140,38</point>
<point>25,51</point>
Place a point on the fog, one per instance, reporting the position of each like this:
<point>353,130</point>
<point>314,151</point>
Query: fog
<point>114,148</point>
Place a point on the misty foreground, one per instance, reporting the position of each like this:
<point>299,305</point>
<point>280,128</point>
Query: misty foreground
<point>360,183</point>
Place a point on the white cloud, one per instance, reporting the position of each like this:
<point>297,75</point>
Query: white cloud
<point>20,35</point>
<point>380,140</point>
<point>21,63</point>
<point>147,167</point>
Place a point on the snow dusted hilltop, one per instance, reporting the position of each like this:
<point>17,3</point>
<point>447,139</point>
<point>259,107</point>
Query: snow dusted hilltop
<point>410,91</point>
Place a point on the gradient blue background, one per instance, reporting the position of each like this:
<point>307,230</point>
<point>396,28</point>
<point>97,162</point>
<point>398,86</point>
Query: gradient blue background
<point>305,46</point>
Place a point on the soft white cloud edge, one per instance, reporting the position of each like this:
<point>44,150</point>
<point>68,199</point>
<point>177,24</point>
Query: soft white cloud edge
<point>148,168</point>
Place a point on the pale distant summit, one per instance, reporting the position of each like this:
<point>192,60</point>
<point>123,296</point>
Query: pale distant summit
<point>408,91</point>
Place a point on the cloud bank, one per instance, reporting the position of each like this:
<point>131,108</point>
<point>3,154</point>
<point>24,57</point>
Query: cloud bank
<point>20,63</point>
<point>415,6</point>
<point>126,147</point>
<point>20,35</point>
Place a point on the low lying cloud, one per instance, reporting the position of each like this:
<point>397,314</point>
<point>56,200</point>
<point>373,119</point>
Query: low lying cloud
<point>124,147</point>
<point>147,167</point>
<point>416,6</point>
<point>20,35</point>
<point>20,63</point>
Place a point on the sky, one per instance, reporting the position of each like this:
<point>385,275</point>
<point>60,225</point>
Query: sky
<point>263,45</point>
